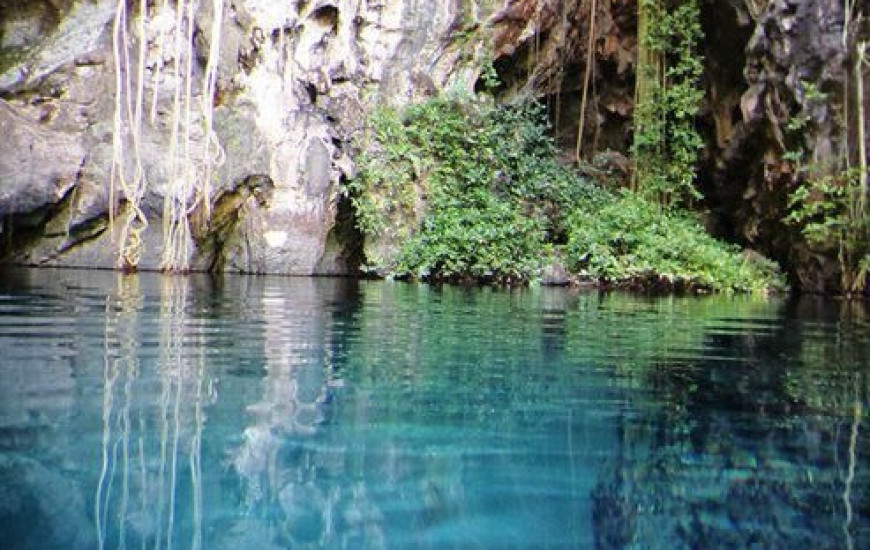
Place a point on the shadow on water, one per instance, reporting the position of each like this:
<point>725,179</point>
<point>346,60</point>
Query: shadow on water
<point>763,447</point>
<point>261,412</point>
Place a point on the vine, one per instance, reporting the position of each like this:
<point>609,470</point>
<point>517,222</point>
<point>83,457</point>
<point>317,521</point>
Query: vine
<point>127,127</point>
<point>587,75</point>
<point>667,98</point>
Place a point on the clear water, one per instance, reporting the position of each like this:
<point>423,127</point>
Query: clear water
<point>151,412</point>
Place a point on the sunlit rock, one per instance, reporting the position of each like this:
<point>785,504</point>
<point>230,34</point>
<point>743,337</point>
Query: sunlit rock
<point>295,83</point>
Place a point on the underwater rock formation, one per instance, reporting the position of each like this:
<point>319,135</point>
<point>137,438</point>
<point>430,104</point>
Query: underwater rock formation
<point>40,508</point>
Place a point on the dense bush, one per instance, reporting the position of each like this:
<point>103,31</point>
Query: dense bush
<point>493,190</point>
<point>466,189</point>
<point>629,239</point>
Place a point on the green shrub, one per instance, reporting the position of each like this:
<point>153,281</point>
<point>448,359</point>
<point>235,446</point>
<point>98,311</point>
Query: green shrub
<point>462,189</point>
<point>486,240</point>
<point>831,211</point>
<point>632,240</point>
<point>493,190</point>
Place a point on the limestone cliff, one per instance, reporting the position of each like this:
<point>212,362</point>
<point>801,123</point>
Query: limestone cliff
<point>295,81</point>
<point>297,78</point>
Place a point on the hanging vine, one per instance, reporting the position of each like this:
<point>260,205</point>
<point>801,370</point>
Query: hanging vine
<point>667,98</point>
<point>587,76</point>
<point>192,151</point>
<point>127,131</point>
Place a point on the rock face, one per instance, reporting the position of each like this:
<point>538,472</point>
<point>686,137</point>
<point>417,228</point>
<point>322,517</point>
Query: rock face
<point>541,49</point>
<point>295,82</point>
<point>771,63</point>
<point>297,78</point>
<point>39,166</point>
<point>768,63</point>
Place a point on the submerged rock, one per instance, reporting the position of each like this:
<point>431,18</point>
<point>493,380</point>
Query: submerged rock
<point>41,508</point>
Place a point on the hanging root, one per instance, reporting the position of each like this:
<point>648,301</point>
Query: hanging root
<point>191,168</point>
<point>127,129</point>
<point>131,249</point>
<point>193,150</point>
<point>590,59</point>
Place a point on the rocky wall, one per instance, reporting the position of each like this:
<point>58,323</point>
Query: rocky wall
<point>767,63</point>
<point>770,63</point>
<point>297,78</point>
<point>541,50</point>
<point>295,81</point>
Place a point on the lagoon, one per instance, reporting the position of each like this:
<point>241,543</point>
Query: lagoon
<point>146,411</point>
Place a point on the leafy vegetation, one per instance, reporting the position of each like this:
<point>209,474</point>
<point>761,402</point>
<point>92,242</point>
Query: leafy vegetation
<point>629,238</point>
<point>668,96</point>
<point>831,211</point>
<point>458,188</point>
<point>494,192</point>
<point>829,202</point>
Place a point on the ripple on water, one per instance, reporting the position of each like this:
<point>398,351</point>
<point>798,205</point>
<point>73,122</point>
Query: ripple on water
<point>281,412</point>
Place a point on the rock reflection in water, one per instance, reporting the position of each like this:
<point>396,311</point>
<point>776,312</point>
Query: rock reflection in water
<point>741,456</point>
<point>278,472</point>
<point>318,466</point>
<point>265,413</point>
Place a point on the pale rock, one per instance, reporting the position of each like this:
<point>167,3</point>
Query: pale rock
<point>296,81</point>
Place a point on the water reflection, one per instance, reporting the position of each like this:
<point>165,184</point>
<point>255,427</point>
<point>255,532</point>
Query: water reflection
<point>152,448</point>
<point>307,413</point>
<point>281,500</point>
<point>762,447</point>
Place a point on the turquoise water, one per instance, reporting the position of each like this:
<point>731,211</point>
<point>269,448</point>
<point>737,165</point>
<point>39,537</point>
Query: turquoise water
<point>254,412</point>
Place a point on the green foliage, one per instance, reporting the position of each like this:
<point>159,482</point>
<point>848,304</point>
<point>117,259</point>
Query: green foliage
<point>494,192</point>
<point>384,189</point>
<point>489,76</point>
<point>631,239</point>
<point>467,190</point>
<point>485,239</point>
<point>666,142</point>
<point>795,129</point>
<point>831,212</point>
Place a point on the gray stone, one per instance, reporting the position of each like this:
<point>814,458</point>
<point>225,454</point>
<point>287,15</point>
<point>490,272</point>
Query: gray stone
<point>45,44</point>
<point>37,166</point>
<point>555,274</point>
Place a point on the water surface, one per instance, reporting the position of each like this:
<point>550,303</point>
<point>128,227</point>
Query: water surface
<point>252,412</point>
